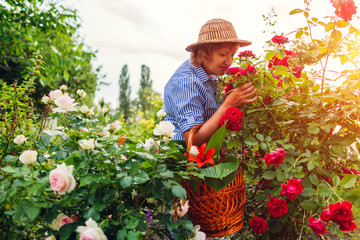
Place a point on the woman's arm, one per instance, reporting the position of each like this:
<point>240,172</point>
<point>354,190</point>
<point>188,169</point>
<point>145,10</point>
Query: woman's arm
<point>237,98</point>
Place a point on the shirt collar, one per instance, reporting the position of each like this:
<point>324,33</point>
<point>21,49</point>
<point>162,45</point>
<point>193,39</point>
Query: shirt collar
<point>201,74</point>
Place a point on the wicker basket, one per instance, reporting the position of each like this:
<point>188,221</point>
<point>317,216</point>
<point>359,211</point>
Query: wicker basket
<point>218,213</point>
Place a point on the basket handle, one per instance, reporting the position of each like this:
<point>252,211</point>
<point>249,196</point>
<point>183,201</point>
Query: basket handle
<point>191,136</point>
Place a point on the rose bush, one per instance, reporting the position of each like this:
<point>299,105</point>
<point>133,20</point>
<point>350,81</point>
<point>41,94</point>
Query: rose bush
<point>92,175</point>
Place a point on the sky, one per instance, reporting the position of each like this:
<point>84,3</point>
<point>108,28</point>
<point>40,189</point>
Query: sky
<point>156,33</point>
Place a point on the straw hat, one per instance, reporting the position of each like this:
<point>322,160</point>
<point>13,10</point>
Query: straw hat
<point>217,31</point>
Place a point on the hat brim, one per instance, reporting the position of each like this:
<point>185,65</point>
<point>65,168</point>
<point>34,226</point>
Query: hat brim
<point>242,43</point>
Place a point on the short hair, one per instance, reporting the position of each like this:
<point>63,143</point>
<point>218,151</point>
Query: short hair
<point>205,50</point>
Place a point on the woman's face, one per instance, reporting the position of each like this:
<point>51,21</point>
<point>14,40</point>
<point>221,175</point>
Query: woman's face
<point>219,60</point>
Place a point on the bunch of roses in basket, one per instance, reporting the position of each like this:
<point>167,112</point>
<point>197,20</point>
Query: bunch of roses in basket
<point>210,160</point>
<point>202,156</point>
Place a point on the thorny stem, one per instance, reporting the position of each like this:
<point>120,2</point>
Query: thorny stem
<point>302,226</point>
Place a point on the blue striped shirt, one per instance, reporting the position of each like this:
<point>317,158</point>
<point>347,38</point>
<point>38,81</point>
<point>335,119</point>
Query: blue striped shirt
<point>189,98</point>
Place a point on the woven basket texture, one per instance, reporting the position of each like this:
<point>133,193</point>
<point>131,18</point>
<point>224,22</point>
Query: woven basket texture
<point>218,213</point>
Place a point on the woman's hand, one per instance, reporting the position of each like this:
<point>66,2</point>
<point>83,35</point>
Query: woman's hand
<point>241,96</point>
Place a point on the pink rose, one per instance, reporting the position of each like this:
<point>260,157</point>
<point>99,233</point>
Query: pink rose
<point>61,179</point>
<point>64,103</point>
<point>60,221</point>
<point>91,231</point>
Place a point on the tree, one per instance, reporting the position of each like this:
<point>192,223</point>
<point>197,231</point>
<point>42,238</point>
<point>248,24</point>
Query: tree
<point>125,90</point>
<point>30,26</point>
<point>146,92</point>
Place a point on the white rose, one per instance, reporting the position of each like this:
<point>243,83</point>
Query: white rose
<point>52,237</point>
<point>194,151</point>
<point>87,144</point>
<point>60,221</point>
<point>91,231</point>
<point>84,109</point>
<point>45,99</point>
<point>20,139</point>
<point>104,109</point>
<point>63,87</point>
<point>61,179</point>
<point>55,94</point>
<point>161,113</point>
<point>149,143</point>
<point>198,235</point>
<point>114,126</point>
<point>28,156</point>
<point>165,128</point>
<point>90,113</point>
<point>64,103</point>
<point>81,93</point>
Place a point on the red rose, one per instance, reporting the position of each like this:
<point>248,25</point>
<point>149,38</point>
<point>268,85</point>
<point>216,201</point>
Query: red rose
<point>234,70</point>
<point>341,211</point>
<point>347,226</point>
<point>345,9</point>
<point>246,53</point>
<point>280,39</point>
<point>277,207</point>
<point>297,71</point>
<point>292,188</point>
<point>228,88</point>
<point>325,215</point>
<point>275,158</point>
<point>233,116</point>
<point>258,225</point>
<point>251,69</point>
<point>317,226</point>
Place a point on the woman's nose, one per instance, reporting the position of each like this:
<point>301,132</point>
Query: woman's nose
<point>229,60</point>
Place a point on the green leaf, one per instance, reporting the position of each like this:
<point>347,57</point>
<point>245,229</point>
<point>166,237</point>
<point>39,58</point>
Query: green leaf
<point>299,34</point>
<point>336,35</point>
<point>126,181</point>
<point>131,223</point>
<point>178,191</point>
<point>314,179</point>
<point>336,180</point>
<point>221,170</point>
<point>8,169</point>
<point>10,158</point>
<point>121,234</point>
<point>329,26</point>
<point>141,177</point>
<point>309,205</point>
<point>135,166</point>
<point>216,141</point>
<point>308,192</point>
<point>341,23</point>
<point>269,175</point>
<point>251,141</point>
<point>348,181</point>
<point>295,11</point>
<point>313,129</point>
<point>260,137</point>
<point>344,59</point>
<point>32,212</point>
<point>92,213</point>
<point>270,55</point>
<point>324,190</point>
<point>218,184</point>
<point>134,235</point>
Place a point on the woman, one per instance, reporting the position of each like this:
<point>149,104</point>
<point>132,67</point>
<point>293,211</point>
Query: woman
<point>189,95</point>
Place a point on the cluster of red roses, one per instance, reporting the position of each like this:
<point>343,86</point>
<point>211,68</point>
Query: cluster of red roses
<point>345,9</point>
<point>277,207</point>
<point>234,117</point>
<point>238,74</point>
<point>285,61</point>
<point>339,213</point>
